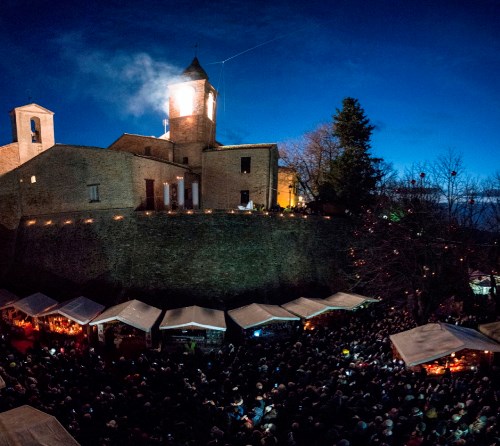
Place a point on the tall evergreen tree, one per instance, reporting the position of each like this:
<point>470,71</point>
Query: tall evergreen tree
<point>353,175</point>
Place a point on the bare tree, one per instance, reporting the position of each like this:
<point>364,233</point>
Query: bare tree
<point>310,157</point>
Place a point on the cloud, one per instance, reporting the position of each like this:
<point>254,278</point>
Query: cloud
<point>134,83</point>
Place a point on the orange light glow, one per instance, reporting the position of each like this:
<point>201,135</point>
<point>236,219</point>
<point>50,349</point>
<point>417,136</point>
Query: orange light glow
<point>30,222</point>
<point>68,222</point>
<point>88,220</point>
<point>118,217</point>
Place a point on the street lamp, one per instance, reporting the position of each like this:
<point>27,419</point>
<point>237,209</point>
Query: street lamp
<point>290,187</point>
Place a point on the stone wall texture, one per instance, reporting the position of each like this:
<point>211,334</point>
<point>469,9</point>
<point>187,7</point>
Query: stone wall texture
<point>223,180</point>
<point>168,260</point>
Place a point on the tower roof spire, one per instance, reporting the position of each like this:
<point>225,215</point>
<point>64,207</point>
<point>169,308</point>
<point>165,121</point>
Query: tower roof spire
<point>195,72</point>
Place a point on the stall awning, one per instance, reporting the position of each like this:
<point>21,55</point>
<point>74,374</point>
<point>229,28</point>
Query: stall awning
<point>80,310</point>
<point>433,341</point>
<point>258,314</point>
<point>306,307</point>
<point>133,312</point>
<point>347,301</point>
<point>7,298</point>
<point>193,317</point>
<point>35,304</point>
<point>492,330</point>
<point>26,425</point>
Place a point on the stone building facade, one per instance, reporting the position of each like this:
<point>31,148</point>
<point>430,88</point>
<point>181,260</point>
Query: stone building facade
<point>186,168</point>
<point>32,133</point>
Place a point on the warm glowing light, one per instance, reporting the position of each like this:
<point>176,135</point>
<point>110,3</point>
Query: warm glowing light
<point>171,212</point>
<point>148,212</point>
<point>231,211</point>
<point>327,217</point>
<point>185,100</point>
<point>118,217</point>
<point>48,222</point>
<point>304,216</point>
<point>68,222</point>
<point>208,211</point>
<point>210,106</point>
<point>88,220</point>
<point>281,215</point>
<point>266,213</point>
<point>189,212</point>
<point>486,351</point>
<point>30,222</point>
<point>452,355</point>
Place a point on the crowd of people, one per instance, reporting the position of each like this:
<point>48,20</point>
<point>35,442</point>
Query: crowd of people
<point>337,385</point>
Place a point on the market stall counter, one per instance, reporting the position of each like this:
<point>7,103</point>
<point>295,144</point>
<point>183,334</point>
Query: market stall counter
<point>440,347</point>
<point>194,327</point>
<point>71,317</point>
<point>130,322</point>
<point>262,320</point>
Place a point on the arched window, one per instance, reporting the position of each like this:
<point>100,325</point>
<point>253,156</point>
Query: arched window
<point>185,101</point>
<point>210,106</point>
<point>35,130</point>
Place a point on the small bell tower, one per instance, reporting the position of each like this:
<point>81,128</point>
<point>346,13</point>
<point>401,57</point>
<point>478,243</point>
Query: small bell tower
<point>32,130</point>
<point>192,114</point>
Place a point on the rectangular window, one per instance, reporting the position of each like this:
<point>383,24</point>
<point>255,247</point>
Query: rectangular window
<point>93,190</point>
<point>147,151</point>
<point>245,164</point>
<point>244,196</point>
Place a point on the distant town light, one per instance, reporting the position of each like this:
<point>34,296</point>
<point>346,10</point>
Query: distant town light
<point>88,220</point>
<point>30,222</point>
<point>118,217</point>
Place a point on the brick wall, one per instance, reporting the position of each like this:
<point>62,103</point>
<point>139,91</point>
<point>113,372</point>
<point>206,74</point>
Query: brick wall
<point>196,127</point>
<point>59,180</point>
<point>9,157</point>
<point>180,259</point>
<point>158,148</point>
<point>223,180</point>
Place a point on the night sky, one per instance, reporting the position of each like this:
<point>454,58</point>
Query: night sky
<point>426,72</point>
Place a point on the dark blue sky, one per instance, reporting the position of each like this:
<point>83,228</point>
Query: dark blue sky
<point>426,72</point>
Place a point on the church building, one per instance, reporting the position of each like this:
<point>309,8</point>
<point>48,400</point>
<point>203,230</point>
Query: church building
<point>185,168</point>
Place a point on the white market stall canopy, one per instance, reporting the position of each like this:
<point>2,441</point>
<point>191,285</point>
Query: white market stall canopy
<point>347,301</point>
<point>193,317</point>
<point>492,330</point>
<point>28,426</point>
<point>133,312</point>
<point>433,341</point>
<point>258,314</point>
<point>35,304</point>
<point>306,307</point>
<point>7,298</point>
<point>80,310</point>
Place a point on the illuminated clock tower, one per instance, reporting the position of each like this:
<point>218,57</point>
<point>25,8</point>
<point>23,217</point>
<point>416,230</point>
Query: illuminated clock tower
<point>192,115</point>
